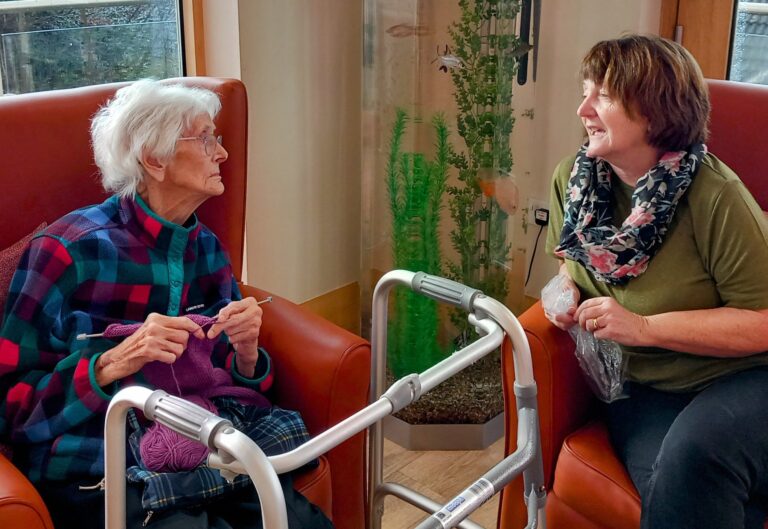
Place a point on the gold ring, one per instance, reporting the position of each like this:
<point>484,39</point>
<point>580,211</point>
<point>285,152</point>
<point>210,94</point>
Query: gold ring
<point>595,326</point>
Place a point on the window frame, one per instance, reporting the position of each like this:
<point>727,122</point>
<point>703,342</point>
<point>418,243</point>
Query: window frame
<point>189,17</point>
<point>709,41</point>
<point>193,37</point>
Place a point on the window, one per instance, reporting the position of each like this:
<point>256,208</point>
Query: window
<point>749,54</point>
<point>51,44</point>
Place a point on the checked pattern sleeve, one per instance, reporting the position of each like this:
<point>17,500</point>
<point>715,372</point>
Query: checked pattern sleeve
<point>45,371</point>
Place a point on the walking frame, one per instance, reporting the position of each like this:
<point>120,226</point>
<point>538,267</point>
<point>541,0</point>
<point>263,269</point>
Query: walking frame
<point>233,453</point>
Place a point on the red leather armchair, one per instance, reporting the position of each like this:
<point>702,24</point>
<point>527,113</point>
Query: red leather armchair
<point>321,370</point>
<point>588,488</point>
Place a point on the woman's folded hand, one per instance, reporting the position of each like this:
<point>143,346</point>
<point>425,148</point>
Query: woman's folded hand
<point>160,338</point>
<point>608,320</point>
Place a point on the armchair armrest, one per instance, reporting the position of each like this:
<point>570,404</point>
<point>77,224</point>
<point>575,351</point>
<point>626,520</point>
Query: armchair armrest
<point>564,400</point>
<point>20,504</point>
<point>324,372</point>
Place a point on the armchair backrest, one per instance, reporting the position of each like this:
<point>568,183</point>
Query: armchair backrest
<point>738,125</point>
<point>48,169</point>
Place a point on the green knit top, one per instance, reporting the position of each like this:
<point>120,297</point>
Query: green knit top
<point>715,254</point>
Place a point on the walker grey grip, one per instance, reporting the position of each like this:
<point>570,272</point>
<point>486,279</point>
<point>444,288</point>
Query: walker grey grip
<point>444,290</point>
<point>188,419</point>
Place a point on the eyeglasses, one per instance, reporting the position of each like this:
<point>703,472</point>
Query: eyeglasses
<point>209,142</point>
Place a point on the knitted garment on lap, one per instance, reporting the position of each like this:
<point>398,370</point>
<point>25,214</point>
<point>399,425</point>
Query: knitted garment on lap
<point>191,376</point>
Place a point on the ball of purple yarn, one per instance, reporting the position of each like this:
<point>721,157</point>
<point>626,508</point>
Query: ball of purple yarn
<point>164,450</point>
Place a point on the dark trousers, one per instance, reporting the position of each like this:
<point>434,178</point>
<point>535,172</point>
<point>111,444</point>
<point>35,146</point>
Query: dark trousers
<point>699,460</point>
<point>73,508</point>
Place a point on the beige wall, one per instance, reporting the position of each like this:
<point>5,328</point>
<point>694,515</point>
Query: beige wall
<point>301,63</point>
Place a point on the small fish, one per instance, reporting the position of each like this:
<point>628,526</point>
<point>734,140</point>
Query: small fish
<point>447,61</point>
<point>408,30</point>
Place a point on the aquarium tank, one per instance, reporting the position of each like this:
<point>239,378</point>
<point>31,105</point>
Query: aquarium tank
<point>439,189</point>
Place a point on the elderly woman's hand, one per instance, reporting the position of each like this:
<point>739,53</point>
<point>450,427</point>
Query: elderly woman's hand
<point>162,338</point>
<point>610,321</point>
<point>241,321</point>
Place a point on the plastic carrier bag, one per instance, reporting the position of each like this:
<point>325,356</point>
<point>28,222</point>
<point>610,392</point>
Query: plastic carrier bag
<point>600,360</point>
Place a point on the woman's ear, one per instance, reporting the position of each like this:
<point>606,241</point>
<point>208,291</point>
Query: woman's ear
<point>153,167</point>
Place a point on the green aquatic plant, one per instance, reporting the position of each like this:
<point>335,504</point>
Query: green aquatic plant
<point>488,52</point>
<point>416,186</point>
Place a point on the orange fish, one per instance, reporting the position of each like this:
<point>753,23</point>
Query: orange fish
<point>504,190</point>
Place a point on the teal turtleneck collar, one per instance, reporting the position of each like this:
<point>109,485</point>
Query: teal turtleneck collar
<point>156,231</point>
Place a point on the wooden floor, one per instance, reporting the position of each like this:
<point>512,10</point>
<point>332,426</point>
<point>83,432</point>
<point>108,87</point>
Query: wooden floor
<point>440,475</point>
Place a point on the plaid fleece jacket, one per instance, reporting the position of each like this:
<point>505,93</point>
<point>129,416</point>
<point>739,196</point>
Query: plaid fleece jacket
<point>115,262</point>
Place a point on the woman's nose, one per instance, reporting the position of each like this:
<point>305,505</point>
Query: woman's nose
<point>221,153</point>
<point>585,108</point>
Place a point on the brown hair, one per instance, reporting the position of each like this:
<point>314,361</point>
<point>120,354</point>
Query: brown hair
<point>658,79</point>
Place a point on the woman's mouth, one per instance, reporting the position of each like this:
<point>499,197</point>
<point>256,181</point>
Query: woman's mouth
<point>595,132</point>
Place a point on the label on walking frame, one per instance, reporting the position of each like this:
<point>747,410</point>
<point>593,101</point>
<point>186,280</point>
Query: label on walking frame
<point>465,503</point>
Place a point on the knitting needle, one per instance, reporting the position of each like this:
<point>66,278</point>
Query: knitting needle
<point>83,336</point>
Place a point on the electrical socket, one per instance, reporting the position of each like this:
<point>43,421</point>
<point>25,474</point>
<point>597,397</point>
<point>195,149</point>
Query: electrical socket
<point>533,205</point>
<point>542,267</point>
<point>542,216</point>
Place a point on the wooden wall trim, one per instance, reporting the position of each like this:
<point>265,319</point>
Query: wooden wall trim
<point>194,37</point>
<point>668,18</point>
<point>340,306</point>
<point>707,33</point>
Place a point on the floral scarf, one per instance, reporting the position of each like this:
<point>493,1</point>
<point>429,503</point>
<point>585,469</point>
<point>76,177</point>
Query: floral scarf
<point>616,255</point>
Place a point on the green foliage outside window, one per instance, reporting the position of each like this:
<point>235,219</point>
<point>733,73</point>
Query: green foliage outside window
<point>47,49</point>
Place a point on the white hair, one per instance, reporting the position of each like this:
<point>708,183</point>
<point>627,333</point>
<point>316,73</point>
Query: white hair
<point>145,116</point>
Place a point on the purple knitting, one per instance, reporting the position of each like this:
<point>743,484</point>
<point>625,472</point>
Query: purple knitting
<point>195,378</point>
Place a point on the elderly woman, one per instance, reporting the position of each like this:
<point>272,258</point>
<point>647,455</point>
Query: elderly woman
<point>142,258</point>
<point>665,249</point>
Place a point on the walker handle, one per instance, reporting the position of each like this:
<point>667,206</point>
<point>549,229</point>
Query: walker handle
<point>184,417</point>
<point>444,290</point>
